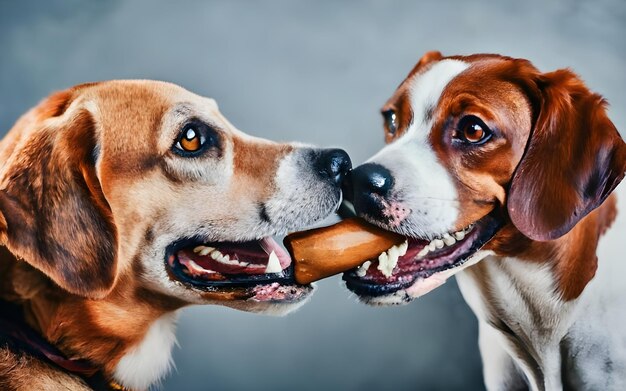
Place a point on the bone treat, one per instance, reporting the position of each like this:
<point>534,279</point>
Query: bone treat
<point>323,252</point>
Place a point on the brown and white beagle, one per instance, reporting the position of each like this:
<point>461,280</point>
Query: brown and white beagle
<point>124,201</point>
<point>502,175</point>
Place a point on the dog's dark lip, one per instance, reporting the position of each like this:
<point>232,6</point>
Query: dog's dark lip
<point>233,281</point>
<point>248,286</point>
<point>484,230</point>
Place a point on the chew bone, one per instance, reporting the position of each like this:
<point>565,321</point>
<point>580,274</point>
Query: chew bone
<point>323,252</point>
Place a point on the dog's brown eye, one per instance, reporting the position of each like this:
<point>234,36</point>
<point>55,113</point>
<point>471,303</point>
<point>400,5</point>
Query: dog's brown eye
<point>194,138</point>
<point>472,130</point>
<point>390,121</point>
<point>191,141</point>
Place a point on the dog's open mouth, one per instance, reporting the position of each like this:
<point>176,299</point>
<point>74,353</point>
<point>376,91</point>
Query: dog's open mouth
<point>260,268</point>
<point>414,264</point>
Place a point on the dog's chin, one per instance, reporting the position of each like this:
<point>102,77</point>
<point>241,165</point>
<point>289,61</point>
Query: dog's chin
<point>253,276</point>
<point>271,308</point>
<point>424,264</point>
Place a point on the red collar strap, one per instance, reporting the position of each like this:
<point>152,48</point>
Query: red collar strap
<point>20,337</point>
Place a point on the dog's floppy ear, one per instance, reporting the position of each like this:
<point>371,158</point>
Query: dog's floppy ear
<point>53,214</point>
<point>573,160</point>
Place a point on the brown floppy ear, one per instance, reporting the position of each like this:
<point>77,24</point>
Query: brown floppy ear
<point>573,160</point>
<point>53,213</point>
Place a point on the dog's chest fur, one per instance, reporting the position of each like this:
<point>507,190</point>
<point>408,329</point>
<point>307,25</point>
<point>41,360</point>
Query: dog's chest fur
<point>148,361</point>
<point>526,328</point>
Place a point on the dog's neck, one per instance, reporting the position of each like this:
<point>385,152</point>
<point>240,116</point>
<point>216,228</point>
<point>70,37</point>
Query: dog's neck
<point>530,292</point>
<point>128,335</point>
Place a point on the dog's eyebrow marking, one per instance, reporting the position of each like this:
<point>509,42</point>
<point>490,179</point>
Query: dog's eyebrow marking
<point>185,113</point>
<point>183,109</point>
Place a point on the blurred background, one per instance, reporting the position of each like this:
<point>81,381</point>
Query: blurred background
<point>315,72</point>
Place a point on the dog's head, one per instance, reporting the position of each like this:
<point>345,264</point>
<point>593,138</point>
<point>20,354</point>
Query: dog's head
<point>476,144</point>
<point>144,181</point>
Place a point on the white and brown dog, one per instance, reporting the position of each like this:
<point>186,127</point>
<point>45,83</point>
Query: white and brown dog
<point>502,175</point>
<point>123,201</point>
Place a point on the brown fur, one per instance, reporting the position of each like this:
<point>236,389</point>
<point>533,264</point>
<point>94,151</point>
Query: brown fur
<point>555,158</point>
<point>23,373</point>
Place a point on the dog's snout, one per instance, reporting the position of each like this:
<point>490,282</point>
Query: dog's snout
<point>372,178</point>
<point>334,164</point>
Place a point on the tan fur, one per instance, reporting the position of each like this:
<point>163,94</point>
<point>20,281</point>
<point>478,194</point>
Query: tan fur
<point>88,184</point>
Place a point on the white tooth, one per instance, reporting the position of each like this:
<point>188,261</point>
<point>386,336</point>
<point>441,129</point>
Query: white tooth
<point>205,251</point>
<point>448,240</point>
<point>273,264</point>
<point>402,248</point>
<point>383,264</point>
<point>388,261</point>
<point>225,259</point>
<point>423,252</point>
<point>432,246</point>
<point>362,270</point>
<point>198,249</point>
<point>393,254</point>
<point>216,255</point>
<point>438,243</point>
<point>459,235</point>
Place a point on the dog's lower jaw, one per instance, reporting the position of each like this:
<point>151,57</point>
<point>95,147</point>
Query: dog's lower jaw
<point>270,308</point>
<point>150,360</point>
<point>422,286</point>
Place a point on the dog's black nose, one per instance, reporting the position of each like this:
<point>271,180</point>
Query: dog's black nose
<point>334,164</point>
<point>371,178</point>
<point>367,187</point>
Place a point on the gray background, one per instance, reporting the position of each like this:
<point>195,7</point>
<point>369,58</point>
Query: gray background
<point>313,71</point>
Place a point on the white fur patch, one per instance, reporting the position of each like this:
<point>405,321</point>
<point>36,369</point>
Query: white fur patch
<point>421,182</point>
<point>426,89</point>
<point>150,360</point>
<point>524,292</point>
